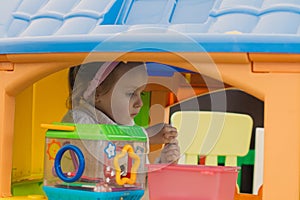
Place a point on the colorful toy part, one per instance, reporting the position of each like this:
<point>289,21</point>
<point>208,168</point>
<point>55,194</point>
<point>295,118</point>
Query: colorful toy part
<point>84,156</point>
<point>28,197</point>
<point>78,170</point>
<point>212,134</point>
<point>121,181</point>
<point>235,101</point>
<point>193,182</point>
<point>58,127</point>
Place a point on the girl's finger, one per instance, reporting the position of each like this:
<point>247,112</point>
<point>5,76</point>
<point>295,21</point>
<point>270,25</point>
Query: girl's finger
<point>171,147</point>
<point>171,133</point>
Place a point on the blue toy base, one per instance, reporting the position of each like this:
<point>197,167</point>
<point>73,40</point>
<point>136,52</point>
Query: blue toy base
<point>54,193</point>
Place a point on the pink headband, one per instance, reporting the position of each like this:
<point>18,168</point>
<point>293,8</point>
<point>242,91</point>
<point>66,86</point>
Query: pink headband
<point>99,77</point>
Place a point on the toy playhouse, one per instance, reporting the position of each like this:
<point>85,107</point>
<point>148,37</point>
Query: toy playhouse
<point>251,45</point>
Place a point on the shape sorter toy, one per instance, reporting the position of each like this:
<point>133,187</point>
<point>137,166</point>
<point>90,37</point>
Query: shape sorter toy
<point>94,161</point>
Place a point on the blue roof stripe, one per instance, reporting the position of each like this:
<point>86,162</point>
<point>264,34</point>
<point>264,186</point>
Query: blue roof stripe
<point>153,43</point>
<point>255,12</point>
<point>49,14</point>
<point>89,14</point>
<point>22,16</point>
<point>244,10</point>
<point>281,8</point>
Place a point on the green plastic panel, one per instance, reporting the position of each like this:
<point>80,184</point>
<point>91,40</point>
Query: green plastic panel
<point>100,132</point>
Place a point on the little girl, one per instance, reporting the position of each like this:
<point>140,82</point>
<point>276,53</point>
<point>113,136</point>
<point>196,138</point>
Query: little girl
<point>110,93</point>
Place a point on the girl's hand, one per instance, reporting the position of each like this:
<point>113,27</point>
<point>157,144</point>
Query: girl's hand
<point>161,133</point>
<point>170,153</point>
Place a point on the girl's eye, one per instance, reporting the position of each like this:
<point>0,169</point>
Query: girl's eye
<point>130,94</point>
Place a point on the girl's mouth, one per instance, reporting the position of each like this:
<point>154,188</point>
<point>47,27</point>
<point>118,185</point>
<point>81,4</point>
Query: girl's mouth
<point>133,114</point>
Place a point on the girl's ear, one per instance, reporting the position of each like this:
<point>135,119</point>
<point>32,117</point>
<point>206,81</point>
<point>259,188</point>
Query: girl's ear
<point>97,94</point>
<point>97,98</point>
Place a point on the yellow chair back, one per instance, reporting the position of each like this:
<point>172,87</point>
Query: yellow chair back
<point>212,134</point>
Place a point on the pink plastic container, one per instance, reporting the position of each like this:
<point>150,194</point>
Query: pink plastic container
<point>192,182</point>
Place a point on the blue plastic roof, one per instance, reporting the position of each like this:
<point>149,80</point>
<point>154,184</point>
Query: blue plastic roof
<point>39,26</point>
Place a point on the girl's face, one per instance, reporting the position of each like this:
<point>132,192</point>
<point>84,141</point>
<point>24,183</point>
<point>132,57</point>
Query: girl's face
<point>123,101</point>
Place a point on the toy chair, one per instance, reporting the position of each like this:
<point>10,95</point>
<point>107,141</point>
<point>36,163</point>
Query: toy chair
<point>212,134</point>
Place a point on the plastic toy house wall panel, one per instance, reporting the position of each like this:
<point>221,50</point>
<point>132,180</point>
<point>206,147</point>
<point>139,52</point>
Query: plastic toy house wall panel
<point>34,106</point>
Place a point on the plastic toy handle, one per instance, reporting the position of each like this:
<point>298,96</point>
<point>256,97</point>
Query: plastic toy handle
<point>57,163</point>
<point>121,181</point>
<point>58,127</point>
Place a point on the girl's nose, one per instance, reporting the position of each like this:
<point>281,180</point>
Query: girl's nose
<point>138,102</point>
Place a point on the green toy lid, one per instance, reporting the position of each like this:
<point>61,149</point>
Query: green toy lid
<point>98,132</point>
